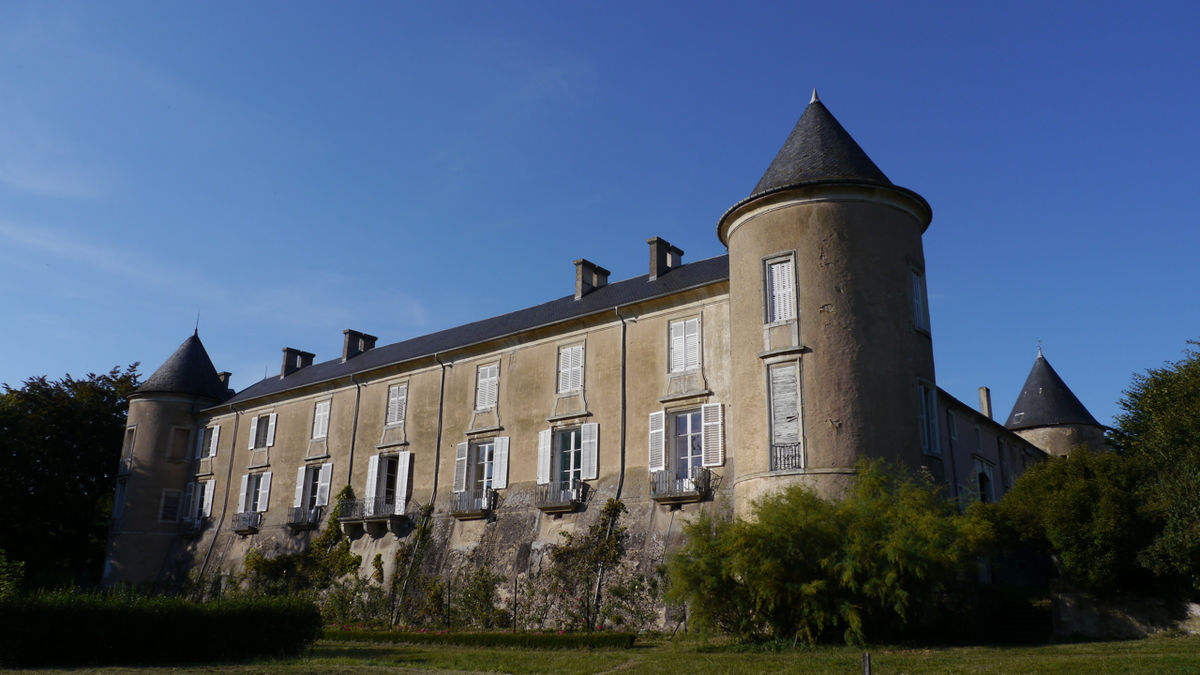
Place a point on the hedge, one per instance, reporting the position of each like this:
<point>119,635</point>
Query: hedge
<point>610,640</point>
<point>71,628</point>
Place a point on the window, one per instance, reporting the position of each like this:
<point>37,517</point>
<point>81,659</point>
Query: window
<point>177,445</point>
<point>206,445</point>
<point>781,290</point>
<point>255,492</point>
<point>387,483</point>
<point>197,501</point>
<point>568,456</point>
<point>928,419</point>
<point>920,300</point>
<point>785,404</point>
<point>168,507</point>
<point>983,481</point>
<point>685,345</point>
<point>397,404</point>
<point>481,465</point>
<point>320,428</point>
<point>570,369</point>
<point>127,446</point>
<point>312,486</point>
<point>952,428</point>
<point>684,440</point>
<point>262,431</point>
<point>487,385</point>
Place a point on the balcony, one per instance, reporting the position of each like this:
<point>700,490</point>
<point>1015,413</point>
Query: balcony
<point>667,488</point>
<point>125,466</point>
<point>190,529</point>
<point>560,497</point>
<point>247,523</point>
<point>472,504</point>
<point>785,456</point>
<point>368,510</point>
<point>300,518</point>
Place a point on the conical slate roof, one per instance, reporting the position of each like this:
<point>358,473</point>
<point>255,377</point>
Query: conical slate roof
<point>1046,400</point>
<point>819,149</point>
<point>188,371</point>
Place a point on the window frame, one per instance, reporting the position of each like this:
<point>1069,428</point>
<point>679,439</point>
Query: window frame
<point>771,307</point>
<point>919,300</point>
<point>397,394</point>
<point>680,348</point>
<point>321,417</point>
<point>487,387</point>
<point>570,371</point>
<point>927,418</point>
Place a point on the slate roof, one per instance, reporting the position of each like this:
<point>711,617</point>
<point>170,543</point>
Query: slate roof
<point>605,298</point>
<point>819,149</point>
<point>1046,400</point>
<point>188,371</point>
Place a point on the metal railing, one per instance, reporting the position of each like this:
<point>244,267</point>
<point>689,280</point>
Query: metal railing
<point>367,509</point>
<point>190,527</point>
<point>247,522</point>
<point>667,486</point>
<point>560,495</point>
<point>472,502</point>
<point>787,456</point>
<point>301,518</point>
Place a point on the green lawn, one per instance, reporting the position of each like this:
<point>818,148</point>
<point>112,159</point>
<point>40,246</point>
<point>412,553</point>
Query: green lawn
<point>1154,655</point>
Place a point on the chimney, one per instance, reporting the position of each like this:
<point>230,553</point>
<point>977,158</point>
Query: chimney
<point>294,359</point>
<point>588,277</point>
<point>985,401</point>
<point>224,376</point>
<point>663,257</point>
<point>355,343</point>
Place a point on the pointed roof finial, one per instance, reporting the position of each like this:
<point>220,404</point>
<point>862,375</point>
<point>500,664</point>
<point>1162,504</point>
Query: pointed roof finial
<point>196,330</point>
<point>1040,349</point>
<point>814,96</point>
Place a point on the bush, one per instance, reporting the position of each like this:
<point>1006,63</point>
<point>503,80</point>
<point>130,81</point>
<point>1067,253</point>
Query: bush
<point>72,628</point>
<point>516,640</point>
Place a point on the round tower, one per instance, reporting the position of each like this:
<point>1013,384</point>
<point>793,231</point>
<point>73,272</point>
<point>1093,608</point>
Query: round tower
<point>1049,415</point>
<point>831,358</point>
<point>156,463</point>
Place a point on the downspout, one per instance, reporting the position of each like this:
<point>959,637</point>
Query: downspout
<point>353,428</point>
<point>437,448</point>
<point>621,475</point>
<point>237,416</point>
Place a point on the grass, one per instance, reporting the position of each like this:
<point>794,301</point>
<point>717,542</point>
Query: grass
<point>1160,655</point>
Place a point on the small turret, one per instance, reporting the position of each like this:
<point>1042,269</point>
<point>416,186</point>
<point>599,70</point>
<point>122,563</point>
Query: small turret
<point>1049,415</point>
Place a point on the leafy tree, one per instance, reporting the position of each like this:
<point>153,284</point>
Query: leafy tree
<point>60,441</point>
<point>1159,431</point>
<point>804,568</point>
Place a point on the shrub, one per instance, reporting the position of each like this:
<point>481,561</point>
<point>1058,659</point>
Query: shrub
<point>72,628</point>
<point>597,640</point>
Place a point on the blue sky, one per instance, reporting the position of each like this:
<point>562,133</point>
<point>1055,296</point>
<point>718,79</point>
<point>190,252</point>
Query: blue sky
<point>291,169</point>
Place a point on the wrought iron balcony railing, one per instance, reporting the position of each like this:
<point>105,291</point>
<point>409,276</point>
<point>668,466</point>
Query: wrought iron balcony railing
<point>470,504</point>
<point>669,488</point>
<point>787,456</point>
<point>193,527</point>
<point>125,466</point>
<point>379,508</point>
<point>560,496</point>
<point>302,518</point>
<point>245,523</point>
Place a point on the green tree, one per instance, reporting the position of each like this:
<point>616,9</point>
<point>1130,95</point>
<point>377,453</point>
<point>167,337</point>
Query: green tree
<point>60,441</point>
<point>1159,430</point>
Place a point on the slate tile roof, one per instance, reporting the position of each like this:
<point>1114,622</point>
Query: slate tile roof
<point>188,371</point>
<point>1046,400</point>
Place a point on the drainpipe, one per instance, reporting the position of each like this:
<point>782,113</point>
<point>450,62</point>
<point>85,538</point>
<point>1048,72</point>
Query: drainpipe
<point>624,347</point>
<point>353,428</point>
<point>437,448</point>
<point>237,416</point>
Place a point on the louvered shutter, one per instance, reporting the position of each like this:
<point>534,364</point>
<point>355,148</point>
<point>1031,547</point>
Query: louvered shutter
<point>543,465</point>
<point>242,494</point>
<point>678,357</point>
<point>712,439</point>
<point>189,509</point>
<point>658,460</point>
<point>324,478</point>
<point>564,370</point>
<point>782,291</point>
<point>372,484</point>
<point>201,450</point>
<point>253,431</point>
<point>577,377</point>
<point>500,463</point>
<point>208,499</point>
<point>785,409</point>
<point>299,497</point>
<point>460,468</point>
<point>403,461</point>
<point>271,431</point>
<point>216,436</point>
<point>397,403</point>
<point>691,342</point>
<point>590,451</point>
<point>494,387</point>
<point>264,492</point>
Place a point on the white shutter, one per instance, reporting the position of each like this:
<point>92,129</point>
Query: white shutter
<point>494,386</point>
<point>271,431</point>
<point>782,294</point>
<point>208,499</point>
<point>397,403</point>
<point>500,463</point>
<point>216,436</point>
<point>543,465</point>
<point>677,346</point>
<point>403,461</point>
<point>691,342</point>
<point>712,440</point>
<point>785,404</point>
<point>324,478</point>
<point>189,509</point>
<point>299,497</point>
<point>590,451</point>
<point>201,451</point>
<point>658,460</point>
<point>264,492</point>
<point>253,431</point>
<point>564,370</point>
<point>577,373</point>
<point>460,468</point>
<point>372,482</point>
<point>242,494</point>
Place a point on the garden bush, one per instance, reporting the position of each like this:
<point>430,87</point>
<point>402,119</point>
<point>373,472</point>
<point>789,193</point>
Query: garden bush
<point>596,640</point>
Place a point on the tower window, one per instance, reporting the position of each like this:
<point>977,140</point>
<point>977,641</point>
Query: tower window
<point>928,419</point>
<point>920,300</point>
<point>780,290</point>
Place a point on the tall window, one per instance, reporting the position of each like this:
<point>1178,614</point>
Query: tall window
<point>920,300</point>
<point>320,428</point>
<point>255,492</point>
<point>683,440</point>
<point>781,290</point>
<point>197,501</point>
<point>312,486</point>
<point>479,465</point>
<point>928,419</point>
<point>686,440</point>
<point>685,345</point>
<point>168,510</point>
<point>207,444</point>
<point>483,461</point>
<point>387,483</point>
<point>487,386</point>
<point>262,431</point>
<point>569,453</point>
<point>785,404</point>
<point>570,369</point>
<point>397,404</point>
